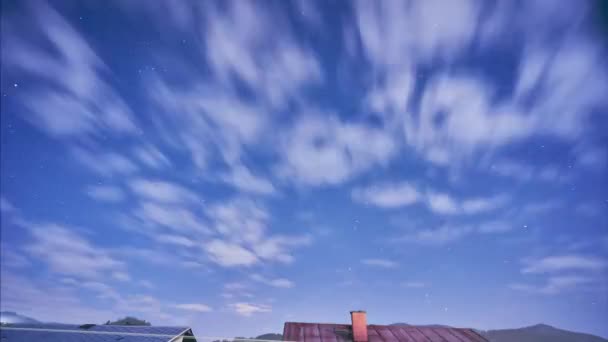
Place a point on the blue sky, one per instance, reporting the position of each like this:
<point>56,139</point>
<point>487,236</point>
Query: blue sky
<point>235,165</point>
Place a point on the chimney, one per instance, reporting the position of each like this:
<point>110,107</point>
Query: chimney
<point>359,321</point>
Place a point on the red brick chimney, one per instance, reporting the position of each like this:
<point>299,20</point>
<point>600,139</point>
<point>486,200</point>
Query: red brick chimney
<point>359,321</point>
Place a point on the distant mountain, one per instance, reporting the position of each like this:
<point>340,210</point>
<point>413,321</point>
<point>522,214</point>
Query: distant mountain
<point>269,336</point>
<point>535,333</point>
<point>274,337</point>
<point>539,333</point>
<point>422,325</point>
<point>13,318</point>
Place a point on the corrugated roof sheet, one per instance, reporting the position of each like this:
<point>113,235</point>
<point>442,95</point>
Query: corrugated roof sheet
<point>315,332</point>
<point>97,333</point>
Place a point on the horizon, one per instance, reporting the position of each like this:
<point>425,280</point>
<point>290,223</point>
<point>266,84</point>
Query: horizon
<point>259,337</point>
<point>148,324</point>
<point>234,165</point>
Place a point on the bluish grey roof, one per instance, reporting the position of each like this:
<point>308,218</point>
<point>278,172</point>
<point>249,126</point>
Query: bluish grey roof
<point>71,333</point>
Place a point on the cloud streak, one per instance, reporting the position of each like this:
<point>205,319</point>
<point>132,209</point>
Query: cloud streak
<point>106,193</point>
<point>322,150</point>
<point>554,285</point>
<point>79,103</point>
<point>403,194</point>
<point>573,262</point>
<point>387,195</point>
<point>195,307</point>
<point>248,309</point>
<point>276,282</point>
<point>65,252</point>
<point>382,263</point>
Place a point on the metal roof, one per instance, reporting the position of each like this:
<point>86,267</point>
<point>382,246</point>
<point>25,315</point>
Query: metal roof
<point>316,332</point>
<point>95,333</point>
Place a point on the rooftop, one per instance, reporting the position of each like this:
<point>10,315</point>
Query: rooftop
<point>317,332</point>
<point>89,333</point>
<point>360,331</point>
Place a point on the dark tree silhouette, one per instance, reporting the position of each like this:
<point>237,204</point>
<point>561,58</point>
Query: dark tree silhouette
<point>129,321</point>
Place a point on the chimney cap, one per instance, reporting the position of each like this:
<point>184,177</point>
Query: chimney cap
<point>359,311</point>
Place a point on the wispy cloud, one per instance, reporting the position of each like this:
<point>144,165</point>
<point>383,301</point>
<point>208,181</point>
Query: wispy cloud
<point>103,290</point>
<point>558,263</point>
<point>230,254</point>
<point>525,173</point>
<point>554,285</point>
<point>196,307</point>
<point>104,163</point>
<point>148,255</point>
<point>496,226</point>
<point>13,259</point>
<point>544,207</point>
<point>146,284</point>
<point>437,236</point>
<point>565,272</point>
<point>105,193</point>
<point>387,195</point>
<point>210,119</point>
<point>447,130</point>
<point>236,290</point>
<point>241,219</point>
<point>243,224</point>
<point>177,240</point>
<point>591,157</point>
<point>143,304</point>
<point>589,209</point>
<point>277,247</point>
<point>277,282</point>
<point>248,309</point>
<point>321,149</point>
<point>234,286</point>
<point>151,156</point>
<point>402,194</point>
<point>452,232</point>
<point>6,206</point>
<point>66,252</point>
<point>232,37</point>
<point>20,293</point>
<point>81,101</point>
<point>161,191</point>
<point>170,216</point>
<point>442,203</point>
<point>209,122</point>
<point>383,263</point>
<point>414,284</point>
<point>121,276</point>
<point>241,178</point>
<point>479,205</point>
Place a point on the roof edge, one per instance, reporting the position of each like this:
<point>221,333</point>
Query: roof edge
<point>180,334</point>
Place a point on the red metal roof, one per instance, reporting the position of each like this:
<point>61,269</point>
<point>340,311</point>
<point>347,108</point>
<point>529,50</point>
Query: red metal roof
<point>315,332</point>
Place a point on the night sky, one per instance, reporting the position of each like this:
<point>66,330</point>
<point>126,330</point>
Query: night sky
<point>232,165</point>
